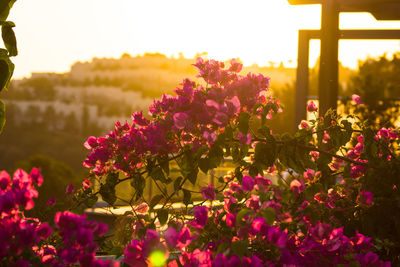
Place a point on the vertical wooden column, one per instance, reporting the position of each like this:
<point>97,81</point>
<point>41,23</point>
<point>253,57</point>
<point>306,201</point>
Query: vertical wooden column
<point>302,78</point>
<point>328,71</point>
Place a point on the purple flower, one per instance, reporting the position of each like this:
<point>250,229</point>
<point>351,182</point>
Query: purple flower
<point>231,220</point>
<point>257,224</point>
<point>51,202</point>
<point>69,189</point>
<point>4,180</point>
<point>91,142</point>
<point>365,197</point>
<point>44,230</point>
<point>201,217</point>
<point>36,177</point>
<point>184,238</point>
<point>297,186</point>
<point>208,192</point>
<point>244,139</point>
<point>181,120</point>
<point>311,107</point>
<point>247,183</point>
<point>171,237</point>
<point>356,99</point>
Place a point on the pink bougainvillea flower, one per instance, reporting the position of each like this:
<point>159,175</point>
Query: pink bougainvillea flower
<point>326,137</point>
<point>200,217</point>
<point>208,192</point>
<point>4,180</point>
<point>51,202</point>
<point>91,142</point>
<point>262,183</point>
<point>44,230</point>
<point>184,238</point>
<point>210,137</point>
<point>356,99</point>
<point>297,186</point>
<point>244,139</point>
<point>86,183</point>
<point>311,107</point>
<point>304,125</point>
<point>181,120</point>
<point>134,255</point>
<point>171,237</point>
<point>36,176</point>
<point>247,183</point>
<point>253,261</point>
<point>309,174</point>
<point>365,197</point>
<point>257,224</point>
<point>69,189</point>
<point>231,220</point>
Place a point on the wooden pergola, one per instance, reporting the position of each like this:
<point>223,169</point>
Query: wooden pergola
<point>329,36</point>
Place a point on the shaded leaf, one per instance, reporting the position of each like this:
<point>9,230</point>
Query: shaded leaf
<point>162,215</point>
<point>155,200</point>
<point>187,197</point>
<point>9,39</point>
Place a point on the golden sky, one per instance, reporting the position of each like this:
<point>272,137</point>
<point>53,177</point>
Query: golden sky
<point>53,34</point>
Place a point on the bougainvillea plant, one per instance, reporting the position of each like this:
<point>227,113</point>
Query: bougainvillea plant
<point>335,200</point>
<point>28,242</point>
<point>325,196</point>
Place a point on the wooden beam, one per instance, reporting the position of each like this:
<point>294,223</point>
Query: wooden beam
<point>304,2</point>
<point>329,63</point>
<point>357,34</point>
<point>302,78</point>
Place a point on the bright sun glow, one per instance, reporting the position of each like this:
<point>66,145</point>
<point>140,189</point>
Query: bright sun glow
<point>157,258</point>
<point>52,34</point>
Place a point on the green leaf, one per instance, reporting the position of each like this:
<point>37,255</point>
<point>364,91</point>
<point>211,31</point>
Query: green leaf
<point>253,171</point>
<point>269,215</point>
<point>107,193</point>
<point>2,115</point>
<point>241,214</point>
<point>162,215</point>
<point>157,174</point>
<point>155,200</point>
<point>5,6</point>
<point>204,164</point>
<point>187,196</point>
<point>9,39</point>
<point>192,176</point>
<point>164,163</point>
<point>265,153</point>
<point>138,183</point>
<point>238,174</point>
<point>177,183</point>
<point>240,248</point>
<point>107,190</point>
<point>244,122</point>
<point>6,69</point>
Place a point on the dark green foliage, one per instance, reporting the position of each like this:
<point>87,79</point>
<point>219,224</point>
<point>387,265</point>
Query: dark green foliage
<point>9,39</point>
<point>107,189</point>
<point>57,175</point>
<point>378,83</point>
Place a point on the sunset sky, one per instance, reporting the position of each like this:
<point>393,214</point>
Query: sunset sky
<point>53,34</point>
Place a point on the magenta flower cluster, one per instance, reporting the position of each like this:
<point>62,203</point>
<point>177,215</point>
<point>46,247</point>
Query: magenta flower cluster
<point>194,116</point>
<point>28,242</point>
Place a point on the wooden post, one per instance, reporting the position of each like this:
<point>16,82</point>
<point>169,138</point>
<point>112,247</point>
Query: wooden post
<point>302,78</point>
<point>329,63</point>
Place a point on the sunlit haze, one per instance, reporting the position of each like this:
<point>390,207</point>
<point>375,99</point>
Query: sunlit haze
<point>53,34</point>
